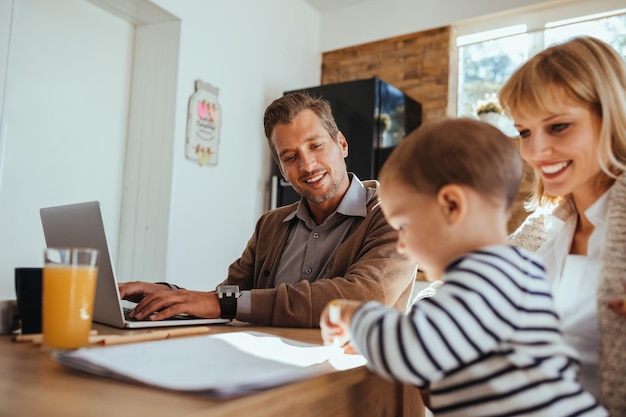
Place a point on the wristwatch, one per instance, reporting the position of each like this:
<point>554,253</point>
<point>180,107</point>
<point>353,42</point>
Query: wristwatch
<point>228,295</point>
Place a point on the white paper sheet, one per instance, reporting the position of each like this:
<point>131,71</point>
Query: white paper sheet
<point>217,365</point>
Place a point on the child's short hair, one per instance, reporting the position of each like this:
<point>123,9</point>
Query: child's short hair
<point>457,151</point>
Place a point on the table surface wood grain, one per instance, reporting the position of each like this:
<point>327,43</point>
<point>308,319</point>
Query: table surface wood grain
<point>32,384</point>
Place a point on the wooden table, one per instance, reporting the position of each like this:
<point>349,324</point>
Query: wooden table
<point>32,384</point>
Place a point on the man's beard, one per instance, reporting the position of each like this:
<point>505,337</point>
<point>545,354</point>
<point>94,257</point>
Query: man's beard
<point>317,199</point>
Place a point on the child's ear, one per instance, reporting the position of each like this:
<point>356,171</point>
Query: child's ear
<point>453,202</point>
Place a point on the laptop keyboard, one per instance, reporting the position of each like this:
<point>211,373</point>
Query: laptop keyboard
<point>128,310</point>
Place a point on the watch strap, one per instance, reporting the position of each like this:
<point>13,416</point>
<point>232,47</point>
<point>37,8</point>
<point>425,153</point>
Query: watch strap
<point>228,306</point>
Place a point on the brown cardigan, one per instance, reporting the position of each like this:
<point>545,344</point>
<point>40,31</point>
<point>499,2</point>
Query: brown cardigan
<point>365,266</point>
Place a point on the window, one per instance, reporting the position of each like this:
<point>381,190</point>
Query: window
<point>487,59</point>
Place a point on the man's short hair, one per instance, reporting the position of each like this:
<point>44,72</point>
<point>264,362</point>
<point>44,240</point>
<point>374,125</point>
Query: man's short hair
<point>284,109</point>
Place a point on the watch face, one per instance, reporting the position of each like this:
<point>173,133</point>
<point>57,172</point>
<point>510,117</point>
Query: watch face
<point>228,290</point>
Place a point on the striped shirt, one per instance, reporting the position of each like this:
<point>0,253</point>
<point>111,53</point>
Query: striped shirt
<point>488,344</point>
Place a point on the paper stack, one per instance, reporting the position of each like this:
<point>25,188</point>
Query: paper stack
<point>221,365</point>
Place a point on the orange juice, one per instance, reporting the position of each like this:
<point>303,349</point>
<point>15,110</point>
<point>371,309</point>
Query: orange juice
<point>68,298</point>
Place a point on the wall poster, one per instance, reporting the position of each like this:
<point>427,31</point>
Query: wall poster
<point>203,125</point>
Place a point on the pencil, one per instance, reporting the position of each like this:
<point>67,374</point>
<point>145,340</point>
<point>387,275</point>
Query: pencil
<point>334,312</point>
<point>110,340</point>
<point>334,315</point>
<point>37,338</point>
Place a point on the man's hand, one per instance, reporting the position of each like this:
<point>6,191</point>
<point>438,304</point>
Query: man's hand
<point>158,302</point>
<point>137,290</point>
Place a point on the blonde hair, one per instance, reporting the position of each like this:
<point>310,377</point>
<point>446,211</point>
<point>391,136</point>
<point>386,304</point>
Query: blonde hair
<point>587,71</point>
<point>457,151</point>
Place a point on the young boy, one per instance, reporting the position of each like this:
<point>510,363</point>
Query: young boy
<point>488,343</point>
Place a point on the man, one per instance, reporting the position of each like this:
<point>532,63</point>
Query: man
<point>333,243</point>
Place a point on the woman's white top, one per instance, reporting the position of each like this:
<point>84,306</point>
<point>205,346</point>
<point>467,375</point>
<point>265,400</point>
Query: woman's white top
<point>574,281</point>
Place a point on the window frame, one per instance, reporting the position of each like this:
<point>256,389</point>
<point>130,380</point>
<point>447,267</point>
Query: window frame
<point>536,19</point>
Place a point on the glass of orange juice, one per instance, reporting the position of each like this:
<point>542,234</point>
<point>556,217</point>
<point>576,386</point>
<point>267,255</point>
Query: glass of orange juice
<point>69,287</point>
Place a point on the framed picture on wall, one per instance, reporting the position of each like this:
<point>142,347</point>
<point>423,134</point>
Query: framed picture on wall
<point>203,125</point>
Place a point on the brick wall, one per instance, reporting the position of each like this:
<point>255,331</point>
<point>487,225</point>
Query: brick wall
<point>418,64</point>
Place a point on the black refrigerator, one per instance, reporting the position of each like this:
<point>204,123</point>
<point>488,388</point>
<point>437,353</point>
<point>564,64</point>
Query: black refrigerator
<point>373,115</point>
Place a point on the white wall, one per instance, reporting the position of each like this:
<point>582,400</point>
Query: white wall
<point>6,18</point>
<point>252,51</point>
<point>66,107</point>
<point>381,19</point>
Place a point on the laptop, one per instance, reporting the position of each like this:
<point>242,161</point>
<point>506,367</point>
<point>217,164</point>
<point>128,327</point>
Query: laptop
<point>82,225</point>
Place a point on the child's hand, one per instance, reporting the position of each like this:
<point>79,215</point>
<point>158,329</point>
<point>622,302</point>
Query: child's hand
<point>618,306</point>
<point>335,325</point>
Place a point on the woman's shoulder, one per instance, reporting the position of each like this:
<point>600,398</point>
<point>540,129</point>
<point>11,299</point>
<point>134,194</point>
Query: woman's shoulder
<point>531,234</point>
<point>618,190</point>
<point>542,223</point>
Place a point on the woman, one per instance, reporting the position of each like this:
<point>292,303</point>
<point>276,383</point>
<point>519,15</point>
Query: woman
<point>569,106</point>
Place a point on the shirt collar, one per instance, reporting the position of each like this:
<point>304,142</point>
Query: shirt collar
<point>353,203</point>
<point>598,211</point>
